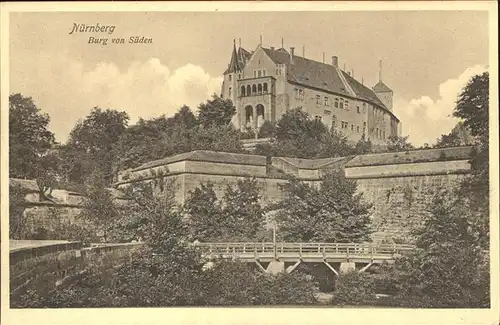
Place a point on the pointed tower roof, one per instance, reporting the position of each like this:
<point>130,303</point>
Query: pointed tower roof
<point>381,87</point>
<point>234,65</point>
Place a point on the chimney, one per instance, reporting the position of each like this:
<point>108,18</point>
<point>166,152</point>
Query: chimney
<point>272,48</point>
<point>335,61</point>
<point>292,54</point>
<point>303,51</point>
<point>323,57</point>
<point>353,73</point>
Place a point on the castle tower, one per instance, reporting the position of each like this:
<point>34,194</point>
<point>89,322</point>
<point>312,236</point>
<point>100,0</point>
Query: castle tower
<point>383,91</point>
<point>230,84</point>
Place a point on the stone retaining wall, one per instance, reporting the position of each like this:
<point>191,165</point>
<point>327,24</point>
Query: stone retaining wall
<point>43,268</point>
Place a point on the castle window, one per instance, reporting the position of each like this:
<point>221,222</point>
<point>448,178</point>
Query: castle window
<point>259,87</point>
<point>344,125</point>
<point>383,134</point>
<point>249,91</point>
<point>259,73</point>
<point>265,88</point>
<point>254,73</point>
<point>376,133</point>
<point>263,72</point>
<point>230,77</point>
<point>318,99</point>
<point>346,104</point>
<point>352,127</point>
<point>326,101</point>
<point>239,76</point>
<point>334,121</point>
<point>358,109</point>
<point>301,94</point>
<point>230,91</point>
<point>336,102</point>
<point>242,91</point>
<point>357,129</point>
<point>317,118</point>
<point>254,90</point>
<point>342,103</point>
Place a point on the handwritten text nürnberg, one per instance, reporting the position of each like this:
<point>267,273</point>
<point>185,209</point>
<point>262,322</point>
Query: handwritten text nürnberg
<point>109,29</point>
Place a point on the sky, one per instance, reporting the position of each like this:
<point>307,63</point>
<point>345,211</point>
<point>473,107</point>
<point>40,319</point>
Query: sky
<point>428,56</point>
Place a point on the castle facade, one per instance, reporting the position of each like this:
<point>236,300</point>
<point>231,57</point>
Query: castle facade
<point>266,82</point>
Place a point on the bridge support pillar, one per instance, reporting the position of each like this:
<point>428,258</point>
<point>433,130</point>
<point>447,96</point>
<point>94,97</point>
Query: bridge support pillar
<point>346,267</point>
<point>275,267</point>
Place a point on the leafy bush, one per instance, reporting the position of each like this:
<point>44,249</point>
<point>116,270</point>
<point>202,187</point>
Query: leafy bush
<point>267,130</point>
<point>354,288</point>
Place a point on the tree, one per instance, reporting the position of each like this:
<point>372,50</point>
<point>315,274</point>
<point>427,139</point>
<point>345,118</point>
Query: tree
<point>242,210</point>
<point>473,108</point>
<point>184,118</point>
<point>17,203</point>
<point>396,143</point>
<point>331,212</point>
<point>92,140</point>
<point>299,136</point>
<point>99,209</point>
<point>205,217</point>
<point>460,135</point>
<point>29,138</point>
<point>47,174</point>
<point>363,146</point>
<point>449,267</point>
<point>216,112</point>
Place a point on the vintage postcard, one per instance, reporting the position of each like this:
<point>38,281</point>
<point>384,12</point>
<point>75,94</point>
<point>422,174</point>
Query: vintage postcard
<point>249,163</point>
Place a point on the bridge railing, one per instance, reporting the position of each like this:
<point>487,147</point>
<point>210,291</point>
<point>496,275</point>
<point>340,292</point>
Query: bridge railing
<point>344,249</point>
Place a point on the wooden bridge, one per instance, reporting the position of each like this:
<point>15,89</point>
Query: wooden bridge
<point>277,254</point>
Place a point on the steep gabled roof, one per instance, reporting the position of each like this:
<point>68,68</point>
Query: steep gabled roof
<point>243,56</point>
<point>322,76</point>
<point>381,87</point>
<point>234,64</point>
<point>238,60</point>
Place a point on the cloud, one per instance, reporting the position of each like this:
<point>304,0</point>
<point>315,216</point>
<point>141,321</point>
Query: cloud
<point>67,91</point>
<point>425,119</point>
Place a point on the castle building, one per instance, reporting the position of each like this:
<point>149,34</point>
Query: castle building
<point>266,82</point>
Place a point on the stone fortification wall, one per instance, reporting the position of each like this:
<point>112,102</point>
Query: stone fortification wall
<point>400,185</point>
<point>42,266</point>
<point>61,210</point>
